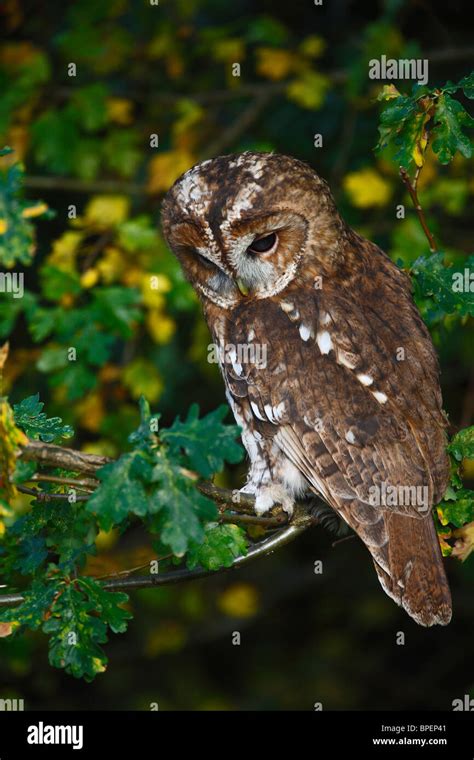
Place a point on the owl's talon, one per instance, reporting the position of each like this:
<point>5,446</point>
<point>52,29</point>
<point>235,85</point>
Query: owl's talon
<point>270,496</point>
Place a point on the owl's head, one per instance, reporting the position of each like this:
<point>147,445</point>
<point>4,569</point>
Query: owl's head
<point>245,226</point>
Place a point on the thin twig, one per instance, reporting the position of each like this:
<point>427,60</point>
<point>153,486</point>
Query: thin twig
<point>416,203</point>
<point>264,522</point>
<point>45,496</point>
<point>82,485</point>
<point>301,522</point>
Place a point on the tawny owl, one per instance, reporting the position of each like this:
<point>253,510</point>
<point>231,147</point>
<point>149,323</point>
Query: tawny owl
<point>329,368</point>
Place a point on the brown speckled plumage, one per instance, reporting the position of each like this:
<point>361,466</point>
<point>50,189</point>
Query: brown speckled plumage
<point>348,400</point>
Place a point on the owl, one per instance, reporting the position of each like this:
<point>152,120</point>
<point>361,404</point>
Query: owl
<point>329,369</point>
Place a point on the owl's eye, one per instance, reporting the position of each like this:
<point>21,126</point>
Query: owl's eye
<point>264,244</point>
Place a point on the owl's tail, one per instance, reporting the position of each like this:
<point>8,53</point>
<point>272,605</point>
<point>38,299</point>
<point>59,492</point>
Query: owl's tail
<point>410,568</point>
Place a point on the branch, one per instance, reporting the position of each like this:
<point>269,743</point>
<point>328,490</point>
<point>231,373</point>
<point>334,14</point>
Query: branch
<point>301,521</point>
<point>229,501</point>
<point>50,455</point>
<point>416,203</point>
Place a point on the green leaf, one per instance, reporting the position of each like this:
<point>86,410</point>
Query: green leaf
<point>444,284</point>
<point>207,442</point>
<point>117,308</point>
<point>460,511</point>
<point>145,434</point>
<point>138,234</point>
<point>90,105</point>
<point>37,600</point>
<point>17,241</point>
<point>180,508</point>
<point>122,491</point>
<point>402,125</point>
<point>467,85</point>
<point>55,136</point>
<point>462,445</point>
<point>78,624</point>
<point>122,152</point>
<point>55,283</point>
<point>450,121</point>
<point>107,603</point>
<point>36,424</point>
<point>222,544</point>
<point>24,471</point>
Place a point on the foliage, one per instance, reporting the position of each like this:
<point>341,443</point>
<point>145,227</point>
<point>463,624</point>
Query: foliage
<point>407,119</point>
<point>153,482</point>
<point>36,424</point>
<point>106,315</point>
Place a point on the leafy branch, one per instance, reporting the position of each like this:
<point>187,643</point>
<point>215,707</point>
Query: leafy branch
<point>159,483</point>
<point>408,124</point>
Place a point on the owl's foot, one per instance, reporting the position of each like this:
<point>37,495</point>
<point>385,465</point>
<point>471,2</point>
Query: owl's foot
<point>270,496</point>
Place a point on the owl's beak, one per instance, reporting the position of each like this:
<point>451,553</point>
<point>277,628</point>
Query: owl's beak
<point>242,286</point>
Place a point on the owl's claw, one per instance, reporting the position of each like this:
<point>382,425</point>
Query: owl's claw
<point>269,496</point>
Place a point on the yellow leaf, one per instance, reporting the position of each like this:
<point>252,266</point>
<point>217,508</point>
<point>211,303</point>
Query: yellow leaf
<point>441,516</point>
<point>91,412</point>
<point>174,65</point>
<point>184,130</point>
<point>165,168</point>
<point>3,226</point>
<point>4,354</point>
<point>67,300</point>
<point>63,255</point>
<point>153,287</point>
<point>120,110</point>
<point>160,326</point>
<point>18,139</point>
<point>169,636</point>
<point>90,278</point>
<point>112,264</point>
<point>464,541</point>
<point>11,440</point>
<point>106,539</point>
<point>160,282</point>
<point>98,665</point>
<point>110,373</point>
<point>106,210</point>
<point>309,90</point>
<point>312,46</point>
<point>367,188</point>
<point>132,277</point>
<point>388,92</point>
<point>32,211</point>
<point>239,600</point>
<point>141,377</point>
<point>231,50</point>
<point>274,63</point>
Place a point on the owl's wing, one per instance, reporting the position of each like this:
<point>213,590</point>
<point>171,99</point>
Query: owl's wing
<point>353,401</point>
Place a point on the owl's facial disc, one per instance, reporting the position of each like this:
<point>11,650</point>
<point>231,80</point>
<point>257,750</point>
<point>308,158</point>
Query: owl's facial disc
<point>250,216</point>
<point>263,251</point>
